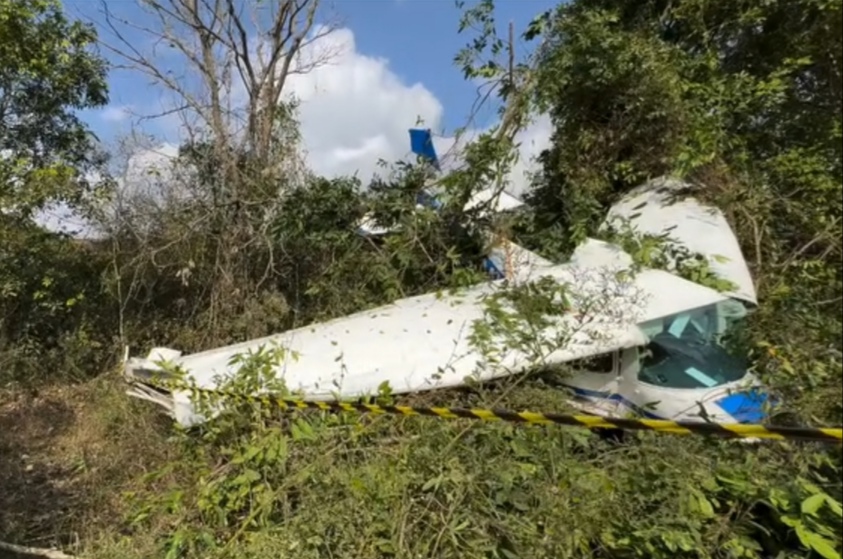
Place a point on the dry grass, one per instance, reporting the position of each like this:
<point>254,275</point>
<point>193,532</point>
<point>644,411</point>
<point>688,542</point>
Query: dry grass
<point>66,456</point>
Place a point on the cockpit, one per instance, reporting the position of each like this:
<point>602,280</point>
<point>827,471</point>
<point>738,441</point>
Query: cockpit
<point>685,350</point>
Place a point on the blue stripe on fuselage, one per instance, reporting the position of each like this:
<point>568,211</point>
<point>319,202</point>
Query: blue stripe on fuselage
<point>614,397</point>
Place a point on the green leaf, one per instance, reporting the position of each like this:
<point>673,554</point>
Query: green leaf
<point>791,521</point>
<point>813,503</point>
<point>705,506</point>
<point>835,506</point>
<point>819,544</point>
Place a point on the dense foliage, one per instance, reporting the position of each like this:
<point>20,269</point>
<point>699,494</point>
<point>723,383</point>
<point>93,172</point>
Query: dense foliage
<point>740,98</point>
<point>47,156</point>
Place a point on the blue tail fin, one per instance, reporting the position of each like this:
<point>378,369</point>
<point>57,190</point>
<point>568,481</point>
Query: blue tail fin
<point>421,143</point>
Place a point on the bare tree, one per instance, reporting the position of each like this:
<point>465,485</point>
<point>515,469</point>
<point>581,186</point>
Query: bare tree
<point>236,56</point>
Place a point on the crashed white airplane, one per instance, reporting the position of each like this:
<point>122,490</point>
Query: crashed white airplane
<point>654,334</point>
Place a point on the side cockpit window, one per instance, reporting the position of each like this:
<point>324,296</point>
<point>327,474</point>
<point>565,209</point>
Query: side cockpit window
<point>604,363</point>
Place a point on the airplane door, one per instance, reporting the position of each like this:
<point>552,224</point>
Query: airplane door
<point>638,397</point>
<point>594,381</point>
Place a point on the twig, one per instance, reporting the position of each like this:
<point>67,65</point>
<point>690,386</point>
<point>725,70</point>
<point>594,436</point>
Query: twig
<point>36,551</point>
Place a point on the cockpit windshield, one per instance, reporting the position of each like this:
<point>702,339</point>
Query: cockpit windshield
<point>685,350</point>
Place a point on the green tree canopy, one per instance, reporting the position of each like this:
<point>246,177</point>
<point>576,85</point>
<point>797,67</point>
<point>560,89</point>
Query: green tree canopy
<point>47,73</point>
<point>743,96</point>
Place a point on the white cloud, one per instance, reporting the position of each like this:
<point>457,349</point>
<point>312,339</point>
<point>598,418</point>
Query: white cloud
<point>61,219</point>
<point>145,173</point>
<point>147,170</point>
<point>116,113</point>
<point>355,111</point>
<point>531,141</point>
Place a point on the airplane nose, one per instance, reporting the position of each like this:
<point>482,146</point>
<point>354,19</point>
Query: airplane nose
<point>748,406</point>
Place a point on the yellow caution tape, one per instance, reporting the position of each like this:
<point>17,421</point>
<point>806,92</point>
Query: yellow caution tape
<point>832,435</point>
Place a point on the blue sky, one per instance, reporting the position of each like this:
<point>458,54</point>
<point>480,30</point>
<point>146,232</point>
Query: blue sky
<point>400,62</point>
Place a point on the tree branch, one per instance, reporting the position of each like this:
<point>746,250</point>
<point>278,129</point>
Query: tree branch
<point>35,551</point>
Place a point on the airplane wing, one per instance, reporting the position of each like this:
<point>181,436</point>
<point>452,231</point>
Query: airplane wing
<point>499,201</point>
<point>507,260</point>
<point>422,343</point>
<point>659,206</point>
